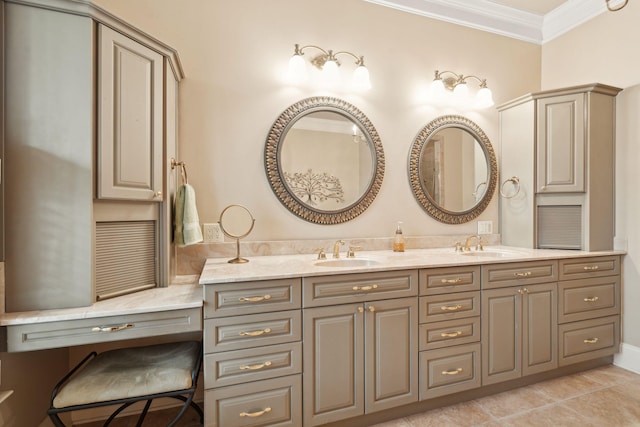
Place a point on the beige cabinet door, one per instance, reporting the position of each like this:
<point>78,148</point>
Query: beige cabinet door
<point>540,321</point>
<point>391,353</point>
<point>501,339</point>
<point>561,144</point>
<point>333,363</point>
<point>130,113</point>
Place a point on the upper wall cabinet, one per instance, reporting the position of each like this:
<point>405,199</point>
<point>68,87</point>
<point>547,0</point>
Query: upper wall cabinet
<point>561,143</point>
<point>89,131</point>
<point>557,167</point>
<point>130,111</point>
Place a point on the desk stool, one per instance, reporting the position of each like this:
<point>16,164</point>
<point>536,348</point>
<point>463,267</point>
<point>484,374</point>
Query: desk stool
<point>128,375</point>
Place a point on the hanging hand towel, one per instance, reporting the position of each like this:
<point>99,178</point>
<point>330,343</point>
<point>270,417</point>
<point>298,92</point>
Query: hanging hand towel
<point>186,221</point>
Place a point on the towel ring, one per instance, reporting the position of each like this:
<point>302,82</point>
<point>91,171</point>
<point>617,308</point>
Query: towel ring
<point>516,182</point>
<point>183,169</point>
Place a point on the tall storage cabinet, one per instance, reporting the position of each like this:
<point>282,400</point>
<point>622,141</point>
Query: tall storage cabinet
<point>561,194</point>
<point>72,130</point>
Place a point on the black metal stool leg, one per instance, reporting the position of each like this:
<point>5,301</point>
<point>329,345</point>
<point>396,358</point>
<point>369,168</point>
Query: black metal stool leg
<point>144,413</point>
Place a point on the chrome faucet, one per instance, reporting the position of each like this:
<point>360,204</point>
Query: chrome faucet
<point>336,248</point>
<point>479,243</point>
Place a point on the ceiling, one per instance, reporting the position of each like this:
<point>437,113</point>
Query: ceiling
<point>536,21</point>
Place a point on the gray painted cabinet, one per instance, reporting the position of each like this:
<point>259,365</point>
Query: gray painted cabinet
<point>359,358</point>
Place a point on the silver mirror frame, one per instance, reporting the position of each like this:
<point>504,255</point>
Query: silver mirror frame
<point>423,197</point>
<point>275,175</point>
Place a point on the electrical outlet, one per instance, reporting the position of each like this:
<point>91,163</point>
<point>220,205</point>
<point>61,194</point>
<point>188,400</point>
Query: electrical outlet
<point>485,227</point>
<point>213,233</point>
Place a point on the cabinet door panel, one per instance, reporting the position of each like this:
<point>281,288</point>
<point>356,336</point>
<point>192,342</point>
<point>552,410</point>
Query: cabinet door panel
<point>561,144</point>
<point>391,353</point>
<point>502,342</point>
<point>539,329</point>
<point>333,371</point>
<point>130,136</point>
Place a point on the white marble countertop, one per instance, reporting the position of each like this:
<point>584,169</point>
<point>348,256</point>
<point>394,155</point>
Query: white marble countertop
<point>173,297</point>
<point>218,270</point>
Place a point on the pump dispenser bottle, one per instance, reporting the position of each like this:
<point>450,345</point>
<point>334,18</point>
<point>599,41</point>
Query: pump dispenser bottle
<point>398,240</point>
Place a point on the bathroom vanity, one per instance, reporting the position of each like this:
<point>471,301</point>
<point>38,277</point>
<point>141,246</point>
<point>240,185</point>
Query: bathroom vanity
<point>290,340</point>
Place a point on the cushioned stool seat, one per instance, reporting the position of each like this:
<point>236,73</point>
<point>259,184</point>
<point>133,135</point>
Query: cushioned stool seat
<point>128,375</point>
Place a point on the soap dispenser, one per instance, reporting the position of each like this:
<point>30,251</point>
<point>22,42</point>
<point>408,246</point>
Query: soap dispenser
<point>398,240</point>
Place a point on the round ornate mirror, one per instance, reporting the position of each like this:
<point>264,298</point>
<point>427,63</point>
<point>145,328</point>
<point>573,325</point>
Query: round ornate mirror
<point>236,222</point>
<point>324,160</point>
<point>452,169</point>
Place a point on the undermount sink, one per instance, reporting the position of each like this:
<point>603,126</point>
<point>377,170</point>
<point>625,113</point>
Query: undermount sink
<point>347,262</point>
<point>490,254</point>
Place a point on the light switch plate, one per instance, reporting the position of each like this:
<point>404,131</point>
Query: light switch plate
<point>485,227</point>
<point>212,233</point>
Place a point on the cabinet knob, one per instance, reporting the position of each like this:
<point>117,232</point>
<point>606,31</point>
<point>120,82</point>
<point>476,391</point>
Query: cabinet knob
<point>371,308</point>
<point>158,194</point>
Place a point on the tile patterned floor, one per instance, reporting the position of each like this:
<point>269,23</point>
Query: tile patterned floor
<point>602,397</point>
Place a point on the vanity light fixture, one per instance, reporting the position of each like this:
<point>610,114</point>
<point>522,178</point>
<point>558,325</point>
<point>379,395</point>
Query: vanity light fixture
<point>327,62</point>
<point>451,88</point>
<point>618,7</point>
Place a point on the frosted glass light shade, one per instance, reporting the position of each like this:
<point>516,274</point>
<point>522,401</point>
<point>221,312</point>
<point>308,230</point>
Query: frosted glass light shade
<point>461,94</point>
<point>297,72</point>
<point>330,73</point>
<point>484,98</point>
<point>436,91</point>
<point>361,79</point>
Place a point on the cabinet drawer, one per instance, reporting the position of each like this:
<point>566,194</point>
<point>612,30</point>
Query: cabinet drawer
<point>37,336</point>
<point>449,370</point>
<point>446,280</point>
<point>350,288</point>
<point>588,298</point>
<point>449,333</point>
<point>261,403</point>
<point>239,332</point>
<point>241,366</point>
<point>589,339</point>
<point>580,268</point>
<point>233,299</point>
<point>518,273</point>
<point>448,307</point>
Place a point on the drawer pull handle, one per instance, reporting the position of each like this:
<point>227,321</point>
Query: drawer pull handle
<point>451,307</point>
<point>525,274</point>
<point>254,299</point>
<point>592,299</point>
<point>451,281</point>
<point>590,267</point>
<point>591,340</point>
<point>255,367</point>
<point>365,288</point>
<point>255,414</point>
<point>453,372</point>
<point>112,328</point>
<point>255,333</point>
<point>451,334</point>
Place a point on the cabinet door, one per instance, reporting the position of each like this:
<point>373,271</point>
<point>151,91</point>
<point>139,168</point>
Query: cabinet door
<point>333,357</point>
<point>391,353</point>
<point>561,144</point>
<point>130,127</point>
<point>501,338</point>
<point>539,314</point>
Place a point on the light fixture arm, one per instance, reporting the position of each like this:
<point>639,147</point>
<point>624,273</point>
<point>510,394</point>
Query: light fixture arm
<point>615,9</point>
<point>458,78</point>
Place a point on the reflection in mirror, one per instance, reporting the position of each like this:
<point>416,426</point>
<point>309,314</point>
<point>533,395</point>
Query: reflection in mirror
<point>236,222</point>
<point>452,169</point>
<point>324,160</point>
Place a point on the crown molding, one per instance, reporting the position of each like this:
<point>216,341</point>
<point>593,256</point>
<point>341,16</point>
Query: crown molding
<point>495,18</point>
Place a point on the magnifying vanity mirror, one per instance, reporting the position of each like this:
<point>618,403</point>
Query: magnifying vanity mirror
<point>324,160</point>
<point>236,222</point>
<point>452,169</point>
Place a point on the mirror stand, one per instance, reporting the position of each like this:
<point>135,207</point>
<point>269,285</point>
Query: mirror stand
<point>239,223</point>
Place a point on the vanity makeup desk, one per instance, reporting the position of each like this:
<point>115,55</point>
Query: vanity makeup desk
<point>174,309</point>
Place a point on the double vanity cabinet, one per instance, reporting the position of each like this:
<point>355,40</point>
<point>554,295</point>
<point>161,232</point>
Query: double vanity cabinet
<point>287,346</point>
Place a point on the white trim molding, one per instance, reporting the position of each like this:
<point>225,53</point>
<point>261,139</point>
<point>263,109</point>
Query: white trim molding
<point>628,358</point>
<point>507,21</point>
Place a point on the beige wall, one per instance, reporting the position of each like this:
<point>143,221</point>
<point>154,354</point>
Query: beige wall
<point>605,50</point>
<point>234,54</point>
